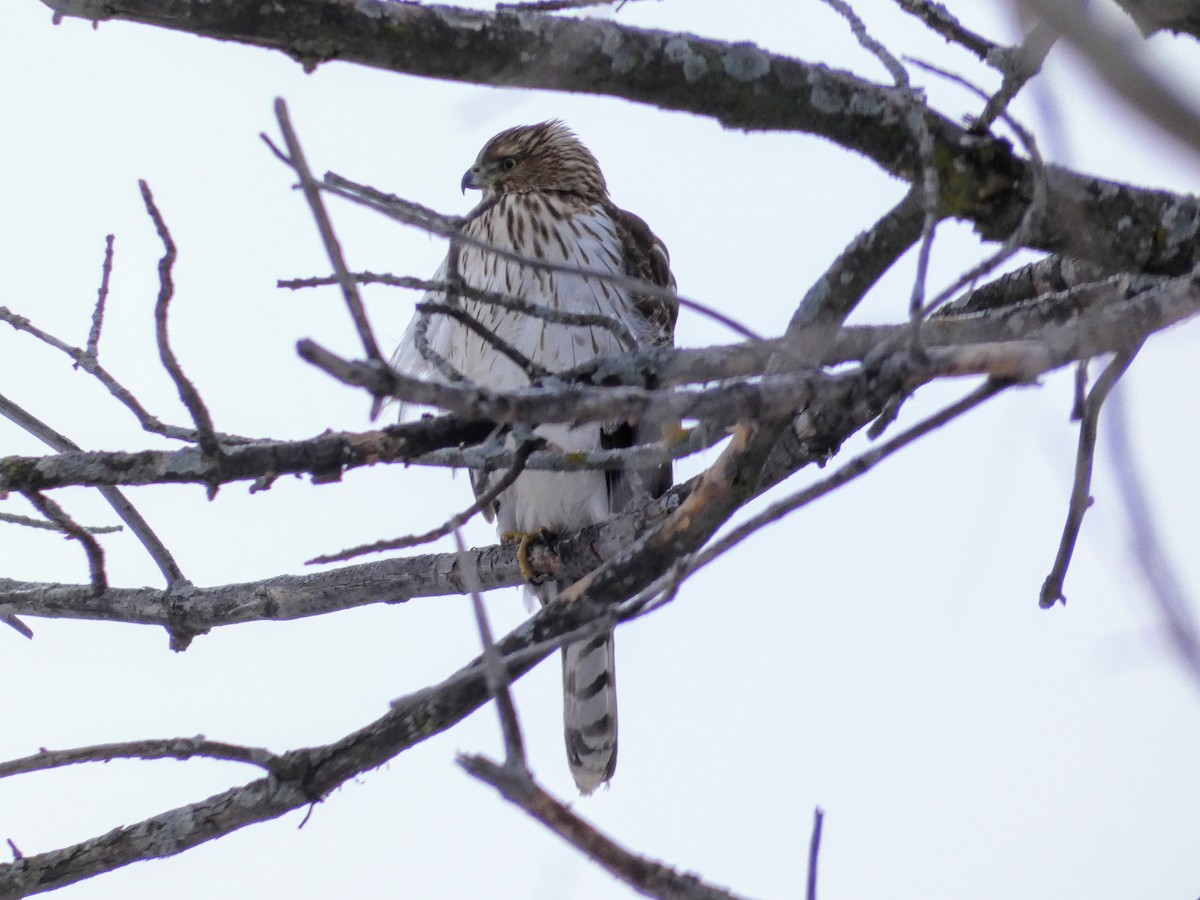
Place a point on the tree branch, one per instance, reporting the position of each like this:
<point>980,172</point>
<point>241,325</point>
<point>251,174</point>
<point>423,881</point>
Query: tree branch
<point>738,84</point>
<point>647,877</point>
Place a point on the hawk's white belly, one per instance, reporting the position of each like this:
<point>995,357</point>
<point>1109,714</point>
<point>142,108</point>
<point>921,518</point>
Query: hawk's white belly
<point>565,232</point>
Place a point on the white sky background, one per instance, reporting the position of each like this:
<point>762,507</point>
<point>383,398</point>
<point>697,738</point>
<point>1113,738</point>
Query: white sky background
<point>880,654</point>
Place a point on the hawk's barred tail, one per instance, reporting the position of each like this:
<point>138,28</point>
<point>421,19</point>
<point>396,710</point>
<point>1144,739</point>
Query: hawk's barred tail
<point>590,710</point>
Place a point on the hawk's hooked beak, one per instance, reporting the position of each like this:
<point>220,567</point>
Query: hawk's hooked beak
<point>472,180</point>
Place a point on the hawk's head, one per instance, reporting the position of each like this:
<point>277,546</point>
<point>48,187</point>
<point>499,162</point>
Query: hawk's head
<point>543,157</point>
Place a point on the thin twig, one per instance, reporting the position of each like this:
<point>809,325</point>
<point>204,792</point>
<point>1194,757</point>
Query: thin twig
<point>523,362</point>
<point>93,341</point>
<point>522,660</point>
<point>940,19</point>
<point>814,850</point>
<point>503,483</point>
<point>206,435</point>
<point>121,393</point>
<point>664,590</point>
<point>29,522</point>
<point>495,455</point>
<point>121,506</point>
<point>646,876</point>
<point>175,748</point>
<point>450,226</point>
<point>914,118</point>
<point>1081,379</point>
<point>11,620</point>
<point>558,5</point>
<point>1081,499</point>
<point>1029,218</point>
<point>492,298</point>
<point>1021,64</point>
<point>723,403</point>
<point>493,665</point>
<point>312,193</point>
<point>856,467</point>
<point>95,555</point>
<point>444,367</point>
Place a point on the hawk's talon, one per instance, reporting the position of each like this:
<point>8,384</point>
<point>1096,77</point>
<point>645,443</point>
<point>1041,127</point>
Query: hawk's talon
<point>675,434</point>
<point>526,539</point>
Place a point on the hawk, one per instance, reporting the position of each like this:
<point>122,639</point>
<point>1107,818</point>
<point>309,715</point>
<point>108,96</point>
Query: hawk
<point>545,199</point>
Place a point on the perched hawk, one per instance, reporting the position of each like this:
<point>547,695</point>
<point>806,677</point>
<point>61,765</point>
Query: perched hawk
<point>544,198</point>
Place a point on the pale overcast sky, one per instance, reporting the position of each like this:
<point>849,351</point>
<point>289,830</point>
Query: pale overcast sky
<point>880,654</point>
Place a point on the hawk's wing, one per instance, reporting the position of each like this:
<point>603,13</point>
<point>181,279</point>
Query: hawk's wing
<point>646,257</point>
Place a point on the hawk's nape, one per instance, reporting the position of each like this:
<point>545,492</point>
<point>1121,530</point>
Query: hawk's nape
<point>545,199</point>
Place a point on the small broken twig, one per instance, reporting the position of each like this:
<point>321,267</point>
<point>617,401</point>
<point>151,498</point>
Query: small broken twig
<point>1081,499</point>
<point>73,530</point>
<point>206,435</point>
<point>93,341</point>
<point>333,248</point>
<point>493,667</point>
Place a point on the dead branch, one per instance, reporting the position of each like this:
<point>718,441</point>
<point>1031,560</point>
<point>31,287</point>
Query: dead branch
<point>192,401</point>
<point>93,340</point>
<point>738,84</point>
<point>75,531</point>
<point>333,249</point>
<point>1081,498</point>
<point>647,877</point>
<point>175,748</point>
<point>121,506</point>
<point>455,522</point>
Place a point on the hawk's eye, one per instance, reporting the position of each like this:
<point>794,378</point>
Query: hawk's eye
<point>507,163</point>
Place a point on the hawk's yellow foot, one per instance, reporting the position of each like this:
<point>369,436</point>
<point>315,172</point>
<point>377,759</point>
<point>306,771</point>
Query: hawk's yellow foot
<point>675,434</point>
<point>526,539</point>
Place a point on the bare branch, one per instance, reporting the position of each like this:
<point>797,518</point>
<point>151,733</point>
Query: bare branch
<point>1029,219</point>
<point>93,341</point>
<point>1081,499</point>
<point>558,5</point>
<point>312,193</point>
<point>738,84</point>
<point>506,301</point>
<point>14,623</point>
<point>187,391</point>
<point>496,455</point>
<point>1021,65</point>
<point>91,366</point>
<point>483,501</point>
<point>1116,311</point>
<point>72,529</point>
<point>769,396</point>
<point>121,506</point>
<point>819,318</point>
<point>396,580</point>
<point>493,667</point>
<point>452,227</point>
<point>46,525</point>
<point>914,113</point>
<point>858,466</point>
<point>175,748</point>
<point>325,457</point>
<point>653,879</point>
<point>523,362</point>
<point>300,777</point>
<point>814,851</point>
<point>942,21</point>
